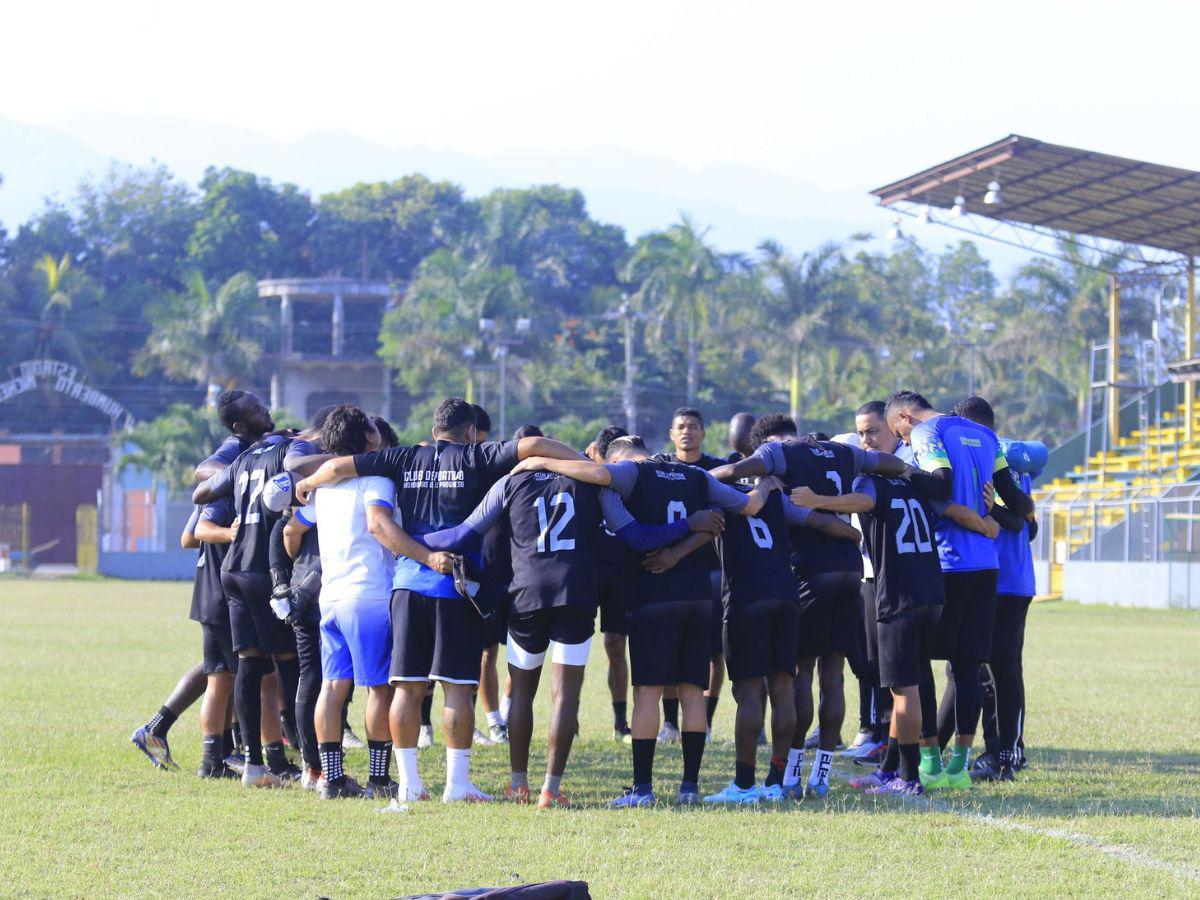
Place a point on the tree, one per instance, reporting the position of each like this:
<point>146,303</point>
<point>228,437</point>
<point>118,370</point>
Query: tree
<point>675,273</point>
<point>171,445</point>
<point>213,339</point>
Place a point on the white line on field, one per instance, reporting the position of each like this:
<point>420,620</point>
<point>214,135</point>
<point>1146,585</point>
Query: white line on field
<point>1114,851</point>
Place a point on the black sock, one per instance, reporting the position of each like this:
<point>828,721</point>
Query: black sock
<point>235,732</point>
<point>619,720</point>
<point>711,707</point>
<point>247,695</point>
<point>160,723</point>
<point>381,760</point>
<point>671,711</point>
<point>289,682</point>
<point>864,705</point>
<point>427,709</point>
<point>643,761</point>
<point>910,761</point>
<point>213,745</point>
<point>743,775</point>
<point>693,753</point>
<point>227,743</point>
<point>775,775</point>
<point>277,759</point>
<point>331,762</point>
<point>891,759</point>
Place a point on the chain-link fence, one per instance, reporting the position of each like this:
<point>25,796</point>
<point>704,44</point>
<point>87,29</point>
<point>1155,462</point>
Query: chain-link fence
<point>14,537</point>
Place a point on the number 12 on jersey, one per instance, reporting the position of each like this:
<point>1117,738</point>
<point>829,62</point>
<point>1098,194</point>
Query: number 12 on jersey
<point>554,535</point>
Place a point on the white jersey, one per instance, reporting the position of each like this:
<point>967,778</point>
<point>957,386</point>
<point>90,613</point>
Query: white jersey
<point>354,566</point>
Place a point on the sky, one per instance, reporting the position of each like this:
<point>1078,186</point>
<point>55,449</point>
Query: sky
<point>846,96</point>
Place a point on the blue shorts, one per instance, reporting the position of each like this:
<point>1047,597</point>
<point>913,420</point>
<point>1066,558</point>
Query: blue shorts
<point>356,641</point>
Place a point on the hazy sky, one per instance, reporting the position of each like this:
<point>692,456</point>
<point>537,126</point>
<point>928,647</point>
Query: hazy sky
<point>844,94</point>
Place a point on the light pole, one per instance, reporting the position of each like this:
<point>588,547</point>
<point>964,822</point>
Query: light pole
<point>503,340</point>
<point>971,345</point>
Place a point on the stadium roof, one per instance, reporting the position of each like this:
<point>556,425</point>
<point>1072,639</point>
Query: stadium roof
<point>1050,187</point>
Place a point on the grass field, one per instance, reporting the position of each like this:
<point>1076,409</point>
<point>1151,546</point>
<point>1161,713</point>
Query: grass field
<point>1109,804</point>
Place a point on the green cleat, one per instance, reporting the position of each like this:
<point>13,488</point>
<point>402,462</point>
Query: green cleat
<point>958,781</point>
<point>934,781</point>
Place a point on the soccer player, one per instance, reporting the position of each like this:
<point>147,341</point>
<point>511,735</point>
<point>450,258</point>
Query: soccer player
<point>553,524</point>
<point>908,600</point>
<point>611,575</point>
<point>761,619</point>
<point>211,529</point>
<point>959,457</point>
<point>1004,705</point>
<point>669,618</point>
<point>740,426</point>
<point>687,434</point>
<point>829,574</point>
<point>356,578</point>
<point>259,637</point>
<point>247,420</point>
<point>437,635</point>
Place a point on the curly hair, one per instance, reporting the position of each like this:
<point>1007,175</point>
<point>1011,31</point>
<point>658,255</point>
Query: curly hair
<point>346,430</point>
<point>771,425</point>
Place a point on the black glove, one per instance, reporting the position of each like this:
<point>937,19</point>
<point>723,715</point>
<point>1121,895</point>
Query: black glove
<point>281,594</point>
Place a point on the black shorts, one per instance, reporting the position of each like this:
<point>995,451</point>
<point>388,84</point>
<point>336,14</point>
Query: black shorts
<point>905,646</point>
<point>965,631</point>
<point>495,626</point>
<point>870,611</point>
<point>614,610</point>
<point>219,655</point>
<point>716,644</point>
<point>435,639</point>
<point>534,630</point>
<point>1008,635</point>
<point>828,614</point>
<point>760,639</point>
<point>251,619</point>
<point>669,642</point>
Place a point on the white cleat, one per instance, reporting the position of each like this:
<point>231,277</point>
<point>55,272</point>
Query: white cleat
<point>350,740</point>
<point>465,793</point>
<point>425,739</point>
<point>668,734</point>
<point>260,776</point>
<point>482,740</point>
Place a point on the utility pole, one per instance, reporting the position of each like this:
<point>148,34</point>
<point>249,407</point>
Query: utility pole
<point>502,341</point>
<point>629,397</point>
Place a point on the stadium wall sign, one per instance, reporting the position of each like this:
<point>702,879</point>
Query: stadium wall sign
<point>66,380</point>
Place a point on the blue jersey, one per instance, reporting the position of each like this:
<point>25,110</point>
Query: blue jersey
<point>1012,548</point>
<point>972,453</point>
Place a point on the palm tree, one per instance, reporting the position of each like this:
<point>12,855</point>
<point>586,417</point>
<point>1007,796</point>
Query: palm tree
<point>676,272</point>
<point>213,339</point>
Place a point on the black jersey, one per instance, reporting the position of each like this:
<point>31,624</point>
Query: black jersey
<point>666,492</point>
<point>754,556</point>
<point>209,605</point>
<point>900,541</point>
<point>707,463</point>
<point>437,487</point>
<point>828,468</point>
<point>554,525</point>
<point>248,475</point>
<point>496,578</point>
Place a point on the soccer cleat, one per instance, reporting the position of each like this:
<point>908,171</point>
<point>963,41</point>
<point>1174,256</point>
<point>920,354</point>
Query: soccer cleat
<point>516,794</point>
<point>982,764</point>
<point>771,793</point>
<point>872,758</point>
<point>220,770</point>
<point>498,734</point>
<point>734,795</point>
<point>407,794</point>
<point>860,740</point>
<point>816,791</point>
<point>792,791</point>
<point>466,793</point>
<point>687,796</point>
<point>633,800</point>
<point>622,733</point>
<point>290,772</point>
<point>350,740</point>
<point>813,740</point>
<point>668,734</point>
<point>260,776</point>
<point>878,778</point>
<point>937,782</point>
<point>390,790</point>
<point>482,740</point>
<point>958,781</point>
<point>897,787</point>
<point>425,738</point>
<point>155,747</point>
<point>236,761</point>
<point>866,749</point>
<point>549,800</point>
<point>311,779</point>
<point>336,790</point>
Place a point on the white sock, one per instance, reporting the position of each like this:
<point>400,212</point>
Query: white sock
<point>495,718</point>
<point>458,767</point>
<point>505,706</point>
<point>822,763</point>
<point>407,763</point>
<point>795,767</point>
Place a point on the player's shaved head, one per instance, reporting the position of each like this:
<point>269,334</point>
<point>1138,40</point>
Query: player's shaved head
<point>630,446</point>
<point>604,437</point>
<point>740,425</point>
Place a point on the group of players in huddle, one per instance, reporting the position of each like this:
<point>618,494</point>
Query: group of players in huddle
<point>333,558</point>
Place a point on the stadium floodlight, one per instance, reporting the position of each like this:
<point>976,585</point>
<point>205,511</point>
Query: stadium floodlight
<point>923,216</point>
<point>992,197</point>
<point>894,233</point>
<point>959,206</point>
<point>486,325</point>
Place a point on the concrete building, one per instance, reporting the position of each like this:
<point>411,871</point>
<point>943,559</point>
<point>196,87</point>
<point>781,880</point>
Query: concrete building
<point>328,338</point>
